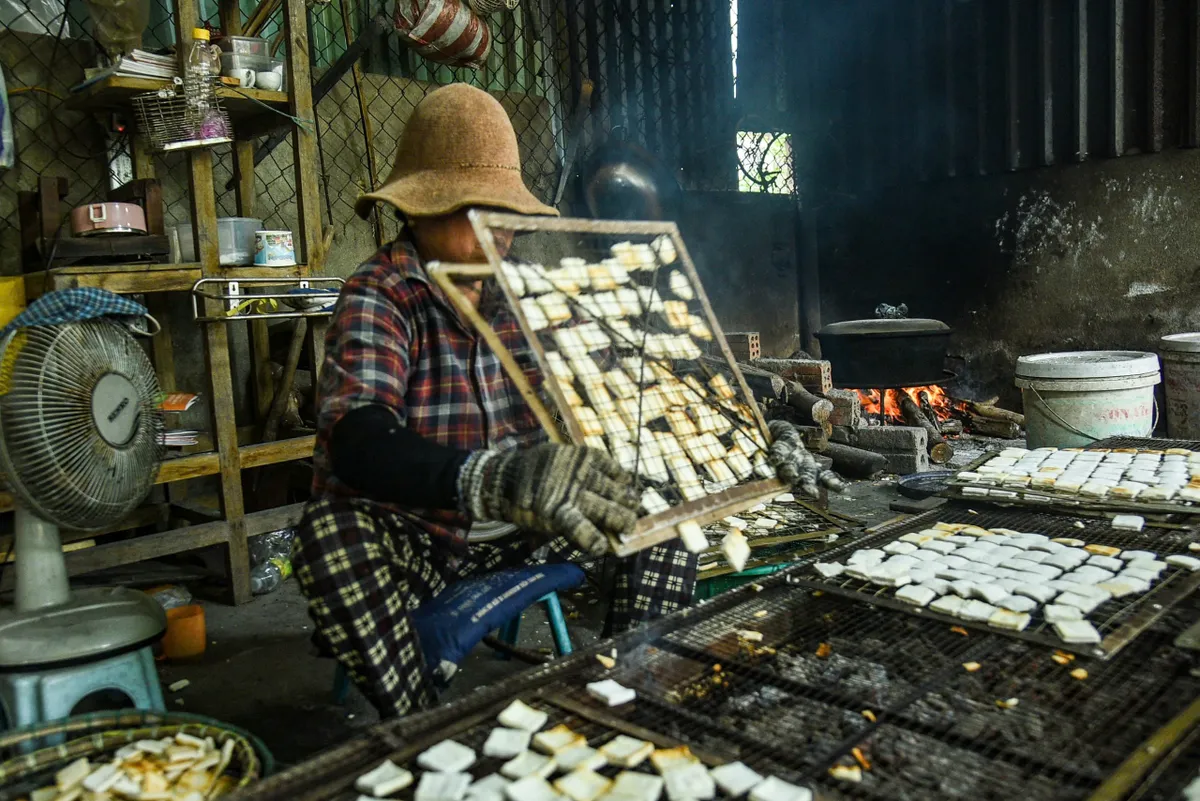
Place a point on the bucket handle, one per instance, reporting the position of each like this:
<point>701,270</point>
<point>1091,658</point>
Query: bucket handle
<point>1069,427</point>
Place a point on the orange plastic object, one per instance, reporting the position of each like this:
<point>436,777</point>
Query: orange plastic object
<point>186,636</point>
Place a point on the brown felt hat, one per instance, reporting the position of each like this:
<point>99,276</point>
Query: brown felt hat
<point>457,150</point>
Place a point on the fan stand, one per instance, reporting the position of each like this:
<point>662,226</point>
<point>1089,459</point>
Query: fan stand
<point>51,625</point>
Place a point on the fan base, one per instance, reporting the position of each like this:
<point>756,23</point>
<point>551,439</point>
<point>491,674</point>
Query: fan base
<point>94,623</point>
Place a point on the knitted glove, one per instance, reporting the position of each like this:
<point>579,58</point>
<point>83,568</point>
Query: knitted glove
<point>558,490</point>
<point>795,465</point>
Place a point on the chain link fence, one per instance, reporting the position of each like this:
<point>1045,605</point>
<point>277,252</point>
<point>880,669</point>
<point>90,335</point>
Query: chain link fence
<point>662,72</point>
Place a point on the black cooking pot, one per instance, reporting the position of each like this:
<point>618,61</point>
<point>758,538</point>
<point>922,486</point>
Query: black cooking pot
<point>877,354</point>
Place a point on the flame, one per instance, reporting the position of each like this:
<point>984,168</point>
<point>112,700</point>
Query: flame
<point>937,398</point>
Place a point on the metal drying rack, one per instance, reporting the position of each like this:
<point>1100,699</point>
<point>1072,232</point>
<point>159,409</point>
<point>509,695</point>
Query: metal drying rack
<point>654,528</point>
<point>242,305</point>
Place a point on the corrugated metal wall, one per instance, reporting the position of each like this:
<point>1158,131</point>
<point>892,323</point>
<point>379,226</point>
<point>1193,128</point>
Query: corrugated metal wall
<point>883,92</point>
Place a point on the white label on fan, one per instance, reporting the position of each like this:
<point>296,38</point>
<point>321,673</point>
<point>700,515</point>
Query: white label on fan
<point>115,409</point>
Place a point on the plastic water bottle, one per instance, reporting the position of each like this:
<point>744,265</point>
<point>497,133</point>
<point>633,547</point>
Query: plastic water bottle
<point>265,578</point>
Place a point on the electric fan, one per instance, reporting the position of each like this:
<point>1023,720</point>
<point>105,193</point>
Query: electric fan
<point>80,446</point>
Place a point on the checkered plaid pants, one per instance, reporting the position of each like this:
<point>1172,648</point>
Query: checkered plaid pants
<point>364,570</point>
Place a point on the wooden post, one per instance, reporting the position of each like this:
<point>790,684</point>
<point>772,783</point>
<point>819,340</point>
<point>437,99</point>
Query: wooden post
<point>216,336</point>
<point>304,137</point>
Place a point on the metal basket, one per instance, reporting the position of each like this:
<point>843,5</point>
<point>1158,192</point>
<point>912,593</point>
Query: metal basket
<point>170,122</point>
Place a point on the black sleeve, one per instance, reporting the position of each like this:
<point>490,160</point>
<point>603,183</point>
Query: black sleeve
<point>373,454</point>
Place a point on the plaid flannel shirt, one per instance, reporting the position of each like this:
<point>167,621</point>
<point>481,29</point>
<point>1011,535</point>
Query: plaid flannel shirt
<point>396,340</point>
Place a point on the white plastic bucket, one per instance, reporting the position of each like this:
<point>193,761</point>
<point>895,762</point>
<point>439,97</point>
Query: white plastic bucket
<point>1181,379</point>
<point>1073,399</point>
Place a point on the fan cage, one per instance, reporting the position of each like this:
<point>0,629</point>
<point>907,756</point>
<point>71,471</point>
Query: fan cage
<point>51,453</point>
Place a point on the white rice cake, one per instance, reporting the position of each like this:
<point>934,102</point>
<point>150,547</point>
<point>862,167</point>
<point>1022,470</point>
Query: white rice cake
<point>939,586</point>
<point>736,550</point>
<point>976,611</point>
<point>519,715</point>
<point>1128,522</point>
<point>529,763</point>
<point>899,548</point>
<point>1057,613</point>
<point>1084,603</point>
<point>635,786</point>
<point>447,756</point>
<point>1089,574</point>
<point>666,760</point>
<point>385,780</point>
<point>949,574</point>
<point>531,788</point>
<point>1067,559</point>
<point>992,593</point>
<point>581,757</point>
<point>868,556</point>
<point>1046,571</point>
<point>611,693</point>
<point>948,605</point>
<point>938,546</point>
<point>1069,541</point>
<point>1077,631</point>
<point>690,783</point>
<point>1038,592</point>
<point>1189,563</point>
<point>1129,556</point>
<point>1008,620</point>
<point>916,594</point>
<point>1106,562</point>
<point>1123,585</point>
<point>829,569</point>
<point>735,778</point>
<point>504,743</point>
<point>443,786</point>
<point>773,789</point>
<point>1018,603</point>
<point>626,752</point>
<point>557,739</point>
<point>915,539</point>
<point>489,788</point>
<point>583,785</point>
<point>953,561</point>
<point>1148,576</point>
<point>1154,566</point>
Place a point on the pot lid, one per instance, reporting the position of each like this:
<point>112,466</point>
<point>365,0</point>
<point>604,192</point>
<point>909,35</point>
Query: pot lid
<point>1087,364</point>
<point>914,326</point>
<point>1187,343</point>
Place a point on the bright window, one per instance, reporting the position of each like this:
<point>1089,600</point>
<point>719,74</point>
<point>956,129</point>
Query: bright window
<point>765,163</point>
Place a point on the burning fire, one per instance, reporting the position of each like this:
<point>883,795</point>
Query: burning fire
<point>927,398</point>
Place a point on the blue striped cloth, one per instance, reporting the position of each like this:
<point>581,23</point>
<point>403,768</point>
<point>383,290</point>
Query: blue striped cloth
<point>75,305</point>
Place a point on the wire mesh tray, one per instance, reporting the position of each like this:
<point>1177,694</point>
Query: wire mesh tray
<point>1069,503</point>
<point>170,121</point>
<point>1119,620</point>
<point>624,323</point>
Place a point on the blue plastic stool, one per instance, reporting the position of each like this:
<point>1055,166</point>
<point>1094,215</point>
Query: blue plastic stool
<point>508,634</point>
<point>27,699</point>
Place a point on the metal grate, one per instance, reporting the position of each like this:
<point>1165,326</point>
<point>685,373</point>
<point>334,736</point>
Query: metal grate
<point>1144,444</point>
<point>1119,620</point>
<point>789,707</point>
<point>802,528</point>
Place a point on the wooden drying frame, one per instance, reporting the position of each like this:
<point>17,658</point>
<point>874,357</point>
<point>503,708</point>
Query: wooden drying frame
<point>652,529</point>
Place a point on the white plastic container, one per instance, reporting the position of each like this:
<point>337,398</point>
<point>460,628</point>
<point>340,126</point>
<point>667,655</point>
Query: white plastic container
<point>1073,399</point>
<point>1181,379</point>
<point>235,238</point>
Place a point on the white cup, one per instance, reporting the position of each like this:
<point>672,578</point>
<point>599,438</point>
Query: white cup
<point>270,81</point>
<point>245,77</point>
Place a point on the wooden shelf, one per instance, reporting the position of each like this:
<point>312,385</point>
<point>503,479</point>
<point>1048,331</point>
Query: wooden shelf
<point>117,91</point>
<point>136,279</point>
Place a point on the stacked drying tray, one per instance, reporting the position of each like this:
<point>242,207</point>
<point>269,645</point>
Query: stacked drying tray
<point>1003,578</point>
<point>621,336</point>
<point>1166,481</point>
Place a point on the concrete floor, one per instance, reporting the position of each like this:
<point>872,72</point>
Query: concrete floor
<point>260,671</point>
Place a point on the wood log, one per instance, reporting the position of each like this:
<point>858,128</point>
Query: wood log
<point>1005,429</point>
<point>952,427</point>
<point>994,412</point>
<point>816,407</point>
<point>763,385</point>
<point>854,462</point>
<point>940,451</point>
<point>928,410</point>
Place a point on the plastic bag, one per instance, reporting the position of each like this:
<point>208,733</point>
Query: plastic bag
<point>270,560</point>
<point>171,596</point>
<point>8,145</point>
<point>444,31</point>
<point>118,24</point>
<point>33,16</point>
